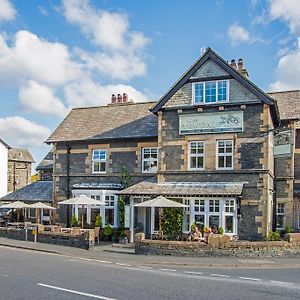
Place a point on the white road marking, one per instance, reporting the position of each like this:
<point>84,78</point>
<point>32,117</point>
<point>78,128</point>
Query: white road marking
<point>249,278</point>
<point>144,267</point>
<point>170,270</point>
<point>281,282</point>
<point>74,292</point>
<point>125,265</point>
<point>105,261</point>
<point>4,275</point>
<point>193,273</point>
<point>219,275</point>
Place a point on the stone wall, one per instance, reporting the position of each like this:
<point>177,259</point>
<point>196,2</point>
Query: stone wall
<point>233,249</point>
<point>19,175</point>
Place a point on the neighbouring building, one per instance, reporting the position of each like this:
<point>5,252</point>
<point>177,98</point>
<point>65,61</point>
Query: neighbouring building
<point>94,146</point>
<point>3,167</point>
<point>19,168</point>
<point>45,167</point>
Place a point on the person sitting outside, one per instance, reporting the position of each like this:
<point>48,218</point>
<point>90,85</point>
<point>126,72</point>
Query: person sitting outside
<point>196,235</point>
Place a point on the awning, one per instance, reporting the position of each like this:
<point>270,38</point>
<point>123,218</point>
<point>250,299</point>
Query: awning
<point>151,187</point>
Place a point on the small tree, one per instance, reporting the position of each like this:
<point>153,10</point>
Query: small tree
<point>125,177</point>
<point>172,221</point>
<point>121,212</point>
<point>98,222</point>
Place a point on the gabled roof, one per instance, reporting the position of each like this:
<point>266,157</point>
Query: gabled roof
<point>288,104</point>
<point>36,191</point>
<point>5,144</point>
<point>130,120</point>
<point>47,162</point>
<point>16,154</point>
<point>210,54</point>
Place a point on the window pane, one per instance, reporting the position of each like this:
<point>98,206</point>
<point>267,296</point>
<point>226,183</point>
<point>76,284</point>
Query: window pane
<point>198,96</point>
<point>96,166</point>
<point>199,220</point>
<point>280,221</point>
<point>210,92</point>
<point>228,161</point>
<point>229,224</point>
<point>221,162</point>
<point>193,162</point>
<point>109,216</point>
<point>102,166</point>
<point>214,222</point>
<point>222,90</point>
<point>200,163</point>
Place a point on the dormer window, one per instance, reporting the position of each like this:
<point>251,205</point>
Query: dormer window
<point>210,91</point>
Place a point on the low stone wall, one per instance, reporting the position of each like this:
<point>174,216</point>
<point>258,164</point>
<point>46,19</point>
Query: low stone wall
<point>16,234</point>
<point>82,241</point>
<point>233,249</point>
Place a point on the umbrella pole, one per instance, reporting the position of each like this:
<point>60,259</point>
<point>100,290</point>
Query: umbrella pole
<point>82,217</point>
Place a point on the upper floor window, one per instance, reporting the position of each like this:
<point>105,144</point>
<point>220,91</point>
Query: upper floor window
<point>225,155</point>
<point>210,91</point>
<point>196,156</point>
<point>280,216</point>
<point>99,161</point>
<point>149,160</point>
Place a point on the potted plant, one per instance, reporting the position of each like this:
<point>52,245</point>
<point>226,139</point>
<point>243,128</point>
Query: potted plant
<point>221,230</point>
<point>123,238</point>
<point>107,232</point>
<point>74,221</point>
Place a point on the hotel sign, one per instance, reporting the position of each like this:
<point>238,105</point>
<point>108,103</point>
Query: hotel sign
<point>283,144</point>
<point>217,122</point>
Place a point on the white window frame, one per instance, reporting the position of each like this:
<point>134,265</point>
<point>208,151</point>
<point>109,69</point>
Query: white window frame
<point>113,207</point>
<point>99,160</point>
<point>196,155</point>
<point>280,214</point>
<point>224,154</point>
<point>204,95</point>
<point>150,159</point>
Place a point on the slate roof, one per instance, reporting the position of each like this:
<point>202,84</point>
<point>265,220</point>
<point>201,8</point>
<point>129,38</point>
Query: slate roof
<point>5,144</point>
<point>151,187</point>
<point>288,104</point>
<point>130,120</point>
<point>46,163</point>
<point>34,192</point>
<point>210,54</point>
<point>22,155</point>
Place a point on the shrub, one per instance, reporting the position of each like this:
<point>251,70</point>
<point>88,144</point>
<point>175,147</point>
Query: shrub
<point>107,230</point>
<point>288,229</point>
<point>98,222</point>
<point>273,236</point>
<point>221,230</point>
<point>193,227</point>
<point>172,221</point>
<point>74,221</point>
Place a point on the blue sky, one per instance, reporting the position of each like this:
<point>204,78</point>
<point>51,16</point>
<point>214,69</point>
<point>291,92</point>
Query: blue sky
<point>55,55</point>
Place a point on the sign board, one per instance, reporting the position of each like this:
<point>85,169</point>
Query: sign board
<point>217,122</point>
<point>127,216</point>
<point>283,144</point>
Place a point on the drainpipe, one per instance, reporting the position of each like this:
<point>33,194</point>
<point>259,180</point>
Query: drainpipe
<point>68,147</point>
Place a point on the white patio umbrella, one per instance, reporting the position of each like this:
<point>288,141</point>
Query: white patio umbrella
<point>81,200</point>
<point>39,205</point>
<point>16,205</point>
<point>160,202</point>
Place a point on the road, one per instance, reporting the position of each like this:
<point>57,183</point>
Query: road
<point>33,275</point>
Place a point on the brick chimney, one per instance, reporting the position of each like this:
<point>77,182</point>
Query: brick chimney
<point>113,99</point>
<point>241,68</point>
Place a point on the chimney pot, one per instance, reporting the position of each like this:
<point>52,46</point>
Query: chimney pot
<point>125,97</point>
<point>240,65</point>
<point>119,98</point>
<point>113,99</point>
<point>233,64</point>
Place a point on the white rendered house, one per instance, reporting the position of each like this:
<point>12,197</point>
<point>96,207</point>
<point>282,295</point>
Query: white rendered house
<point>3,167</point>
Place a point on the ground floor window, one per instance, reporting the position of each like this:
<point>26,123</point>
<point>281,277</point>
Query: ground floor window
<point>110,210</point>
<point>280,216</point>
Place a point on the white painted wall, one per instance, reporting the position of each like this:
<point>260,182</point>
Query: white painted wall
<point>3,169</point>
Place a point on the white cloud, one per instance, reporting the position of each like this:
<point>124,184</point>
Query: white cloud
<point>287,71</point>
<point>39,98</point>
<point>118,48</point>
<point>286,10</point>
<point>89,93</point>
<point>7,11</point>
<point>31,57</point>
<point>21,132</point>
<point>238,34</point>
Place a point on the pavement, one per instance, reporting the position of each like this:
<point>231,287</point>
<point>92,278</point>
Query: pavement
<point>110,252</point>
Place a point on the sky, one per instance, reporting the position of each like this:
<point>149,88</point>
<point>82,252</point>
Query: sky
<point>56,55</point>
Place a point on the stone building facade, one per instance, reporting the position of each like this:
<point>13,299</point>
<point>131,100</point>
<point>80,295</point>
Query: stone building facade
<point>94,146</point>
<point>19,168</point>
